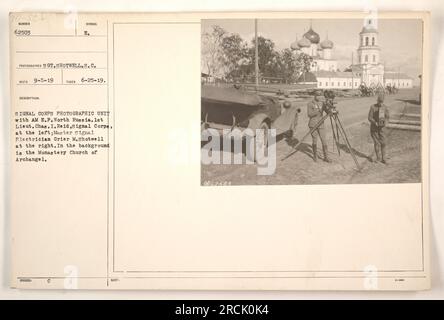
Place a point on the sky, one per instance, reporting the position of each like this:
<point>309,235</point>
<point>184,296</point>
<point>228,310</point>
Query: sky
<point>400,40</point>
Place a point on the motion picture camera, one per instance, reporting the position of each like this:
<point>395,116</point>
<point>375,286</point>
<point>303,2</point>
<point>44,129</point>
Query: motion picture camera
<point>329,104</point>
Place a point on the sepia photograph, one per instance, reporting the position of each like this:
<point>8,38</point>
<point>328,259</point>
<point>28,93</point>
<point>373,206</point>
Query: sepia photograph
<point>311,101</point>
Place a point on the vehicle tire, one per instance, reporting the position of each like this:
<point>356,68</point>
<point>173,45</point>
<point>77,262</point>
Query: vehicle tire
<point>261,141</point>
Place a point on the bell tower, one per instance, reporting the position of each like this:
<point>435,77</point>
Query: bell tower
<point>372,70</point>
<point>368,51</point>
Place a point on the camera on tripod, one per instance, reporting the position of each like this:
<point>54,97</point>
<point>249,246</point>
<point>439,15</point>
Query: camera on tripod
<point>336,126</point>
<point>329,104</point>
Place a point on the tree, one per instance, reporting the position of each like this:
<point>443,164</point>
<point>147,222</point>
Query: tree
<point>227,55</point>
<point>303,63</point>
<point>268,57</point>
<point>212,54</point>
<point>235,56</point>
<point>287,65</point>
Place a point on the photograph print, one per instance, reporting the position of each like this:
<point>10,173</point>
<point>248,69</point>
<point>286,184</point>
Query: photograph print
<point>311,101</point>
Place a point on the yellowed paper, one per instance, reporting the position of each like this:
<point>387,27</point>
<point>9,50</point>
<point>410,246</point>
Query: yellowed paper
<point>110,189</point>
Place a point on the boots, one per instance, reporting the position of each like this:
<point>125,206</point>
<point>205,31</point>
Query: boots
<point>315,152</point>
<point>384,155</point>
<point>378,154</point>
<point>325,150</point>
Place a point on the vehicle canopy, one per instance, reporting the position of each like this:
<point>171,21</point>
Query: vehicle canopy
<point>230,95</point>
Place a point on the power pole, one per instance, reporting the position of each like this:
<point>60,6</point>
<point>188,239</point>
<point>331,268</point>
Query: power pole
<point>353,80</point>
<point>256,54</point>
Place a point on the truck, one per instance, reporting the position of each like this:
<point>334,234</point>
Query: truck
<point>230,107</point>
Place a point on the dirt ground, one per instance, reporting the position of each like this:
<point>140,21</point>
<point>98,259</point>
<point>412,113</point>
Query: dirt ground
<point>403,150</point>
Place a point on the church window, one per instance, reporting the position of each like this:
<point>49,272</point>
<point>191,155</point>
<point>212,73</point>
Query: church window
<point>326,84</point>
<point>345,84</point>
<point>320,84</point>
<point>366,41</point>
<point>373,41</point>
<point>332,84</point>
<point>374,58</point>
<point>339,84</point>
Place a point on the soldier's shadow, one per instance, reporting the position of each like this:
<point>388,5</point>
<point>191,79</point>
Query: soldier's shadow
<point>303,147</point>
<point>343,147</point>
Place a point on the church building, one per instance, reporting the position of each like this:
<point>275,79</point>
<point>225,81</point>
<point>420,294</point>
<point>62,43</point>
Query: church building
<point>369,69</point>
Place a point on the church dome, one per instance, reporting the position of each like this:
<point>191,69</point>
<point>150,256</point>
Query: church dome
<point>294,45</point>
<point>369,28</point>
<point>327,44</point>
<point>312,36</point>
<point>304,43</point>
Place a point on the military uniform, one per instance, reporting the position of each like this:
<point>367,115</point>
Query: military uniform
<point>379,116</point>
<point>315,112</point>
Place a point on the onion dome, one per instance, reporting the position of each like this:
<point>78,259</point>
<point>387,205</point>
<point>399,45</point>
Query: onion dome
<point>304,43</point>
<point>294,45</point>
<point>312,36</point>
<point>327,44</point>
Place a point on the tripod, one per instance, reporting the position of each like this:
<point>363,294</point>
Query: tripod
<point>338,130</point>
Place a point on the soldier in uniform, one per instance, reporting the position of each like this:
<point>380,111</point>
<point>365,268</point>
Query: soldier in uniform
<point>315,110</point>
<point>378,116</point>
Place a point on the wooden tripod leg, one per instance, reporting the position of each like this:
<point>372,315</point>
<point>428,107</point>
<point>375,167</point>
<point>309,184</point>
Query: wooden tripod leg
<point>305,136</point>
<point>335,135</point>
<point>344,136</point>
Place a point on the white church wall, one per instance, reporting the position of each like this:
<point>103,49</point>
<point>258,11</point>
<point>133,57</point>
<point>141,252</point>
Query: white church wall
<point>399,83</point>
<point>325,65</point>
<point>327,53</point>
<point>338,83</point>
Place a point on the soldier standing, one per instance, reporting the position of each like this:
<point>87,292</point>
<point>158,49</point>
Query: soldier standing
<point>315,109</point>
<point>378,116</point>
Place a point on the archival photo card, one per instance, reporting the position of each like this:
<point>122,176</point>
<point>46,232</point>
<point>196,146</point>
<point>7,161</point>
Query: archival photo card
<point>220,151</point>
